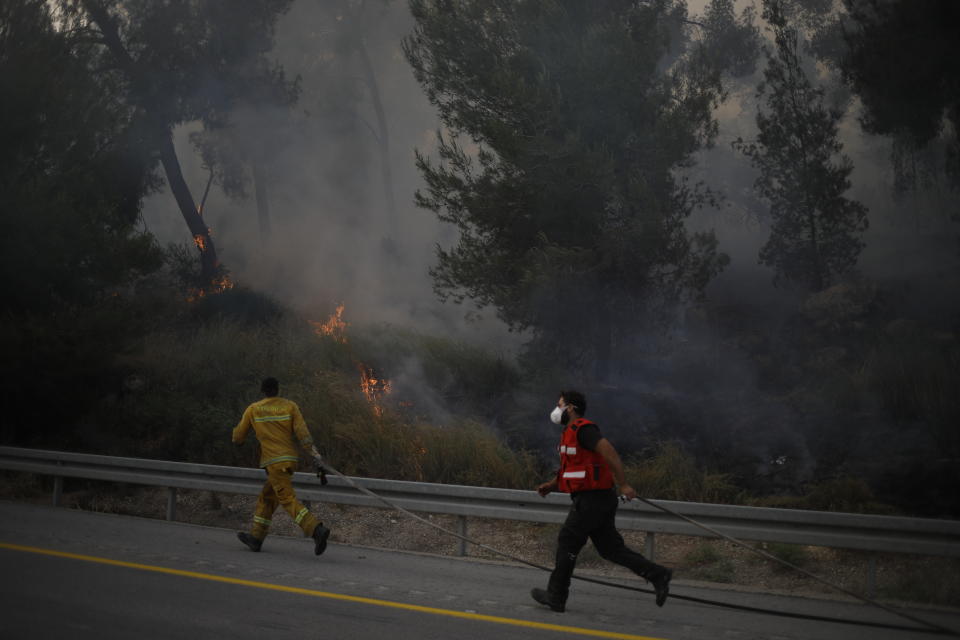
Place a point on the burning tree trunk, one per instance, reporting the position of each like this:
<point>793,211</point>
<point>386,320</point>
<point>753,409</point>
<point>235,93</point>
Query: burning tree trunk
<point>189,210</point>
<point>168,155</point>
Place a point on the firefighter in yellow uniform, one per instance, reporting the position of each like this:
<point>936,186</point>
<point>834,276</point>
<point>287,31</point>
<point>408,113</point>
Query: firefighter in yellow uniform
<point>277,423</point>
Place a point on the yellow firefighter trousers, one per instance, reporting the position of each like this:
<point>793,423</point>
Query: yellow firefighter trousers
<point>278,491</point>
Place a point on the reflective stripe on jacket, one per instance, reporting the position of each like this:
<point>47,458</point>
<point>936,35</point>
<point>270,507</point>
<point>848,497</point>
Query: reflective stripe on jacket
<point>278,424</point>
<point>580,469</point>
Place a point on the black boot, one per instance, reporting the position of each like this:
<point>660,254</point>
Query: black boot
<point>661,584</point>
<point>541,596</point>
<point>320,535</point>
<point>249,540</point>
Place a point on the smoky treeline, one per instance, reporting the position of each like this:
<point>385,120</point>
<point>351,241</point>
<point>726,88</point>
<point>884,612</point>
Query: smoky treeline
<point>735,226</point>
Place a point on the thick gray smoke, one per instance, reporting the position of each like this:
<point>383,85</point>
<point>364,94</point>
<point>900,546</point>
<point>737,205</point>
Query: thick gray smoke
<point>335,241</point>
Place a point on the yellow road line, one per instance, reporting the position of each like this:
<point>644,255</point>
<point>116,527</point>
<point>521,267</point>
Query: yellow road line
<point>332,596</point>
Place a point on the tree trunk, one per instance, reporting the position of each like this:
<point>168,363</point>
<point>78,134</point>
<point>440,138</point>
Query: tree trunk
<point>384,135</point>
<point>817,276</point>
<point>168,154</point>
<point>263,205</point>
<point>188,209</point>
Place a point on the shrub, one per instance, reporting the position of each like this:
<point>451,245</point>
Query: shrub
<point>705,562</point>
<point>435,374</point>
<point>797,555</point>
<point>917,380</point>
<point>720,571</point>
<point>192,386</point>
<point>672,474</point>
<point>846,493</point>
<point>851,495</point>
<point>923,582</point>
<point>703,553</point>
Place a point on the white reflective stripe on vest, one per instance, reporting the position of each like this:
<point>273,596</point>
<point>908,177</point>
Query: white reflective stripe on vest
<point>574,474</point>
<point>571,451</point>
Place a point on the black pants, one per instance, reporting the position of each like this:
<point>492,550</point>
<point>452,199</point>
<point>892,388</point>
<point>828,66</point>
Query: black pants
<point>592,515</point>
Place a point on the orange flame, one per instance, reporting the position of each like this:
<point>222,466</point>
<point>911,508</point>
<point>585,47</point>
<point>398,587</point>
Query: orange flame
<point>221,284</point>
<point>200,241</point>
<point>217,285</point>
<point>373,388</point>
<point>335,327</point>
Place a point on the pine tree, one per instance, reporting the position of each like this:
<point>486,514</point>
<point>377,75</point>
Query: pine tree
<point>815,232</point>
<point>570,124</point>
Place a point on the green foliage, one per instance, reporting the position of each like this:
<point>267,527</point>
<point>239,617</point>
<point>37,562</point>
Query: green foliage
<point>815,233</point>
<point>461,453</point>
<point>170,63</point>
<point>672,474</point>
<point>578,117</point>
<point>188,386</point>
<point>795,554</point>
<point>921,582</point>
<point>186,390</point>
<point>70,247</point>
<point>907,91</point>
<point>733,44</point>
<point>844,494</point>
<point>186,61</point>
<point>469,454</point>
<point>703,553</point>
<point>431,373</point>
<point>917,380</point>
<point>723,571</point>
<point>69,190</point>
<point>850,495</point>
<point>705,562</point>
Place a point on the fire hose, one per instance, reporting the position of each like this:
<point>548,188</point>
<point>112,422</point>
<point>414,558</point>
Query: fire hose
<point>323,466</point>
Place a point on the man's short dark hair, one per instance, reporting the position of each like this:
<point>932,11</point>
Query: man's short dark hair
<point>270,387</point>
<point>575,398</point>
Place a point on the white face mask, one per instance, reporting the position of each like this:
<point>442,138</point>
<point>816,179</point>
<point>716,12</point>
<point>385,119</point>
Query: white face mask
<point>556,415</point>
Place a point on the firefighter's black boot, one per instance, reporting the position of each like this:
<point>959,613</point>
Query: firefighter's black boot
<point>541,596</point>
<point>249,540</point>
<point>558,587</point>
<point>661,584</point>
<point>320,535</point>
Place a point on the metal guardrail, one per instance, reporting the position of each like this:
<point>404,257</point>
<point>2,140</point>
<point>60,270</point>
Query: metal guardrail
<point>818,528</point>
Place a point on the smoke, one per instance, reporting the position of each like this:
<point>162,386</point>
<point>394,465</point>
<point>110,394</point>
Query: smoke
<point>335,241</point>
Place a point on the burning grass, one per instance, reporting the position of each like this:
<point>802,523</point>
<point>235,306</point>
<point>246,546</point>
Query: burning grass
<point>335,327</point>
<point>194,385</point>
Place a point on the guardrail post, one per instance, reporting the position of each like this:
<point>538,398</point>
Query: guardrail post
<point>872,576</point>
<point>462,526</point>
<point>171,503</point>
<point>648,545</point>
<point>57,487</point>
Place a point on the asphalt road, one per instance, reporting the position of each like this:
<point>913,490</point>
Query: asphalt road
<point>74,574</point>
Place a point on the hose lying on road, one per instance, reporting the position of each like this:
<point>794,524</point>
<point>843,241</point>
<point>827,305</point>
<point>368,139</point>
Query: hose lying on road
<point>927,627</point>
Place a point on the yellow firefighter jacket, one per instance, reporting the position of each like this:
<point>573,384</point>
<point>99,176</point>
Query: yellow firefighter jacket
<point>275,421</point>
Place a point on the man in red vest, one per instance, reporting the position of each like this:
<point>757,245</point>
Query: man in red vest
<point>590,470</point>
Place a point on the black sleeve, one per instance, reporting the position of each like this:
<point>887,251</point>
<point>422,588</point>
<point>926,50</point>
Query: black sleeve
<point>588,436</point>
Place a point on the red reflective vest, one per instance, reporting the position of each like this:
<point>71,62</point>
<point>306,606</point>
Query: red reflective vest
<point>580,469</point>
